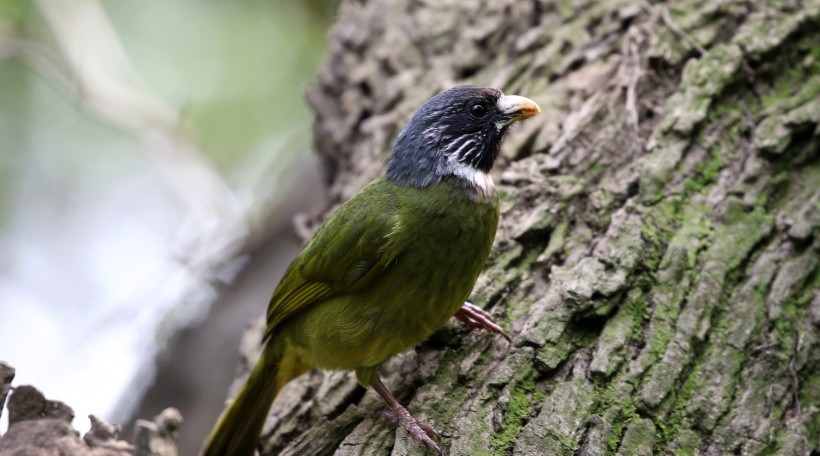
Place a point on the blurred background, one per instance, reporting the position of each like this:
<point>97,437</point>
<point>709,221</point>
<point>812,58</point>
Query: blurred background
<point>152,156</point>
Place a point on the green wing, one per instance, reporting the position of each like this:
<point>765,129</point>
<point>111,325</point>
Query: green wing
<point>347,252</point>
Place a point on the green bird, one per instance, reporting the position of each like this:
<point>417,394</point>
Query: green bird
<point>390,266</point>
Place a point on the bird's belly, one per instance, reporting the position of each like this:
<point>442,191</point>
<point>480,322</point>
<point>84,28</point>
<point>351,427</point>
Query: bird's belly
<point>403,308</point>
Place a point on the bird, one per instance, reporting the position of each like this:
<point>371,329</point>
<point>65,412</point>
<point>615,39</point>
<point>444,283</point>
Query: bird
<point>390,266</point>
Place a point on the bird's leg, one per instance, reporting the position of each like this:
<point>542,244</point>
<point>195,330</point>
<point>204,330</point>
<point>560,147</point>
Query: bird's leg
<point>418,430</point>
<point>476,317</point>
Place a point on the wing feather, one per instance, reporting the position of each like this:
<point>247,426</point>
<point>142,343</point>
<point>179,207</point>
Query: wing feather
<point>346,254</point>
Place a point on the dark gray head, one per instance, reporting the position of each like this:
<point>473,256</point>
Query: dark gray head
<point>457,132</point>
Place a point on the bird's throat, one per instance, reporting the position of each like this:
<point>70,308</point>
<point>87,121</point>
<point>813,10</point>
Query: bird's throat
<point>481,181</point>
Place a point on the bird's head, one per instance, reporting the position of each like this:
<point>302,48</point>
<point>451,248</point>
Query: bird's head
<point>458,133</point>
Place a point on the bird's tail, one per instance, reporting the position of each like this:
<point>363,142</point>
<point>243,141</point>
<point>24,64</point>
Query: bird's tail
<point>238,429</point>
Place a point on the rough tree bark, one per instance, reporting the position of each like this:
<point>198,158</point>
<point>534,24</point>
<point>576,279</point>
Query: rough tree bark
<point>657,261</point>
<point>42,427</point>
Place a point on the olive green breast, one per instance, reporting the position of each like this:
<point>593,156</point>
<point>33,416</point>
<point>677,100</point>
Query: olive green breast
<point>437,243</point>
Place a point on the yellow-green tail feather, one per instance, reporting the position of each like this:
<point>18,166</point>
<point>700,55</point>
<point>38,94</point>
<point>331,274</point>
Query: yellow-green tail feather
<point>238,429</point>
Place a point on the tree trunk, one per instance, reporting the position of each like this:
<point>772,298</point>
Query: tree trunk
<point>657,259</point>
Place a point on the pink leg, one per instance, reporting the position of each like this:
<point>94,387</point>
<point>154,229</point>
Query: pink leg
<point>419,431</point>
<point>476,317</point>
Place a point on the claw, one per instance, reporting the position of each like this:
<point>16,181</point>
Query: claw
<point>419,431</point>
<point>476,317</point>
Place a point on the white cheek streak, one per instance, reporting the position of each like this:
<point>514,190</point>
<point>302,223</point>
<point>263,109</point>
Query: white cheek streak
<point>468,143</point>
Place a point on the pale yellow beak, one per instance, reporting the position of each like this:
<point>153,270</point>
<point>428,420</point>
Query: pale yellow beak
<point>517,108</point>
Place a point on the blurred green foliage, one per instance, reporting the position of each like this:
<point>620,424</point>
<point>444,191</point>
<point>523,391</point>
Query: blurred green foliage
<point>234,70</point>
<point>237,69</point>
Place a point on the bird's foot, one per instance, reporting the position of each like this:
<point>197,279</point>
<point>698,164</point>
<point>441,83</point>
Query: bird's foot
<point>476,317</point>
<point>418,430</point>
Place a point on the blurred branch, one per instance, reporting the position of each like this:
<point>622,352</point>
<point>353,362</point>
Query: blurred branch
<point>104,81</point>
<point>93,65</point>
<point>88,61</point>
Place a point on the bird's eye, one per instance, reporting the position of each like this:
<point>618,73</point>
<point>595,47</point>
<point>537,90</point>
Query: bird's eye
<point>478,111</point>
